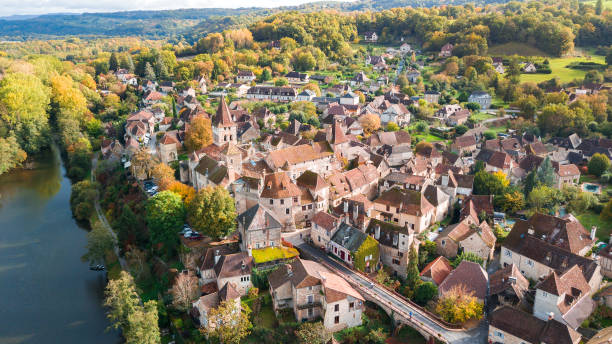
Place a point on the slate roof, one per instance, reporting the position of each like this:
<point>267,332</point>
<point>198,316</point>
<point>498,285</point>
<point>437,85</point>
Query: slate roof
<point>531,329</point>
<point>258,217</point>
<point>223,117</point>
<point>389,233</point>
<point>349,237</point>
<point>232,265</point>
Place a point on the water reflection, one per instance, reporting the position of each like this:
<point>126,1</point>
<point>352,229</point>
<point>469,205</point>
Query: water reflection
<point>47,295</point>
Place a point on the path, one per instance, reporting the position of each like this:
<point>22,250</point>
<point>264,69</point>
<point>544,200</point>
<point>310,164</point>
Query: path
<point>102,217</point>
<point>408,311</point>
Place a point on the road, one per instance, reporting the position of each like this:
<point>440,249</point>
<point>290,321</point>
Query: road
<point>477,335</point>
<point>102,217</point>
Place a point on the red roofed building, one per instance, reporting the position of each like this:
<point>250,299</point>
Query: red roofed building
<point>407,208</point>
<point>437,270</point>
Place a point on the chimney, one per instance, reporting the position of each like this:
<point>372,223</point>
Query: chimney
<point>289,270</point>
<point>250,251</point>
<point>551,316</point>
<point>593,231</point>
<point>512,279</point>
<point>377,232</point>
<point>217,256</point>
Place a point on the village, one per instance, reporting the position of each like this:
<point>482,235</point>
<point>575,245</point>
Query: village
<point>341,193</point>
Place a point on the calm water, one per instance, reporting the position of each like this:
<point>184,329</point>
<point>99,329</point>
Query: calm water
<point>47,295</point>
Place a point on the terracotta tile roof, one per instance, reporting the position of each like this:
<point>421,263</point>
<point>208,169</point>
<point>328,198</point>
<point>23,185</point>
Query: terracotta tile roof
<point>336,288</point>
<point>469,274</point>
<point>298,154</point>
<point>464,141</point>
<point>325,220</point>
<point>475,204</point>
<point>409,201</point>
<point>311,180</point>
<point>571,282</point>
<point>531,329</point>
<point>530,162</point>
<point>278,185</point>
<point>437,270</point>
<point>463,230</point>
<point>508,277</point>
<point>568,170</point>
<point>228,292</point>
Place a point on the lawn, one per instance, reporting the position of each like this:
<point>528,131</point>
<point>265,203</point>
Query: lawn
<point>606,3</point>
<point>481,116</point>
<point>269,254</point>
<point>591,219</point>
<point>500,129</point>
<point>558,67</point>
<point>428,137</point>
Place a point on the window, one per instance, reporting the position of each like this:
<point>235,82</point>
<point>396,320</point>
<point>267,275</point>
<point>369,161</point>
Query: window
<point>310,312</point>
<point>336,319</point>
<point>507,253</point>
<point>336,308</point>
<point>499,334</point>
<point>388,208</point>
<point>351,305</point>
<point>287,211</point>
<point>396,261</point>
<point>545,294</point>
<point>310,288</point>
<point>443,242</point>
<point>303,207</point>
<point>529,262</point>
<point>272,243</point>
<point>257,245</point>
<point>310,299</point>
<point>282,201</point>
<point>295,199</point>
<point>271,201</point>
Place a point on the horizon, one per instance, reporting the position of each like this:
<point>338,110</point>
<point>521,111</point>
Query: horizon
<point>15,8</point>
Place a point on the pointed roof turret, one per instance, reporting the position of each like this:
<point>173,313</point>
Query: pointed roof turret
<point>223,118</point>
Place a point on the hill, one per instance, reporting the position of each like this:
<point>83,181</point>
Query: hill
<point>176,24</point>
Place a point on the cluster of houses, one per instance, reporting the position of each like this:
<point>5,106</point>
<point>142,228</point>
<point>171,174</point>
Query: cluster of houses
<point>343,193</point>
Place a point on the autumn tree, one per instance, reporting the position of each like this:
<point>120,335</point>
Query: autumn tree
<point>11,155</point>
<point>512,201</point>
<point>199,134</point>
<point>423,146</point>
<point>313,332</point>
<point>370,123</point>
<point>163,175</point>
<point>99,242</point>
<point>82,197</point>
<point>458,305</point>
<point>143,164</point>
<point>137,321</point>
<point>165,216</point>
<point>186,192</point>
<point>184,291</point>
<point>230,324</point>
<point>392,126</point>
<point>213,212</point>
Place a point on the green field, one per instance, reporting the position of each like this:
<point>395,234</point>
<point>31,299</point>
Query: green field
<point>606,3</point>
<point>557,65</point>
<point>429,137</point>
<point>481,116</point>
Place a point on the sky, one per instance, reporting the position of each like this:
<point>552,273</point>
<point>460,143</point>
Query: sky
<point>25,7</point>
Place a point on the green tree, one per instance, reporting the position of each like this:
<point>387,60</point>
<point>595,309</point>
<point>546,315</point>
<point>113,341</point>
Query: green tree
<point>266,74</point>
<point>461,129</point>
<point>598,164</point>
<point>546,173</point>
<point>82,197</point>
<point>425,292</point>
<point>99,242</point>
<point>468,256</point>
<point>486,183</point>
<point>412,270</point>
<point>137,322</point>
<point>529,183</point>
<point>313,332</point>
<point>113,62</point>
<point>544,199</point>
<point>599,7</point>
<point>149,72</point>
<point>213,212</point>
<point>392,126</point>
<point>165,216</point>
<point>231,325</point>
<point>606,213</point>
<point>377,336</point>
<point>11,154</point>
<point>281,82</point>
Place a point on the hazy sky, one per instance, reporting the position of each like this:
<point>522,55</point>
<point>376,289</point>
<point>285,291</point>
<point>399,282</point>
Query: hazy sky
<point>10,7</point>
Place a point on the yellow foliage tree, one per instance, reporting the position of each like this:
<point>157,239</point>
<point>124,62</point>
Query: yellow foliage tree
<point>199,134</point>
<point>370,123</point>
<point>458,305</point>
<point>163,175</point>
<point>186,192</point>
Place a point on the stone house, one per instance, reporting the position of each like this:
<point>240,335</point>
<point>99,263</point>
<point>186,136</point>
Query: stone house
<point>394,242</point>
<point>446,50</point>
<point>297,77</point>
<point>564,296</point>
<point>202,306</point>
<point>282,197</point>
<point>605,259</point>
<point>315,194</point>
<point>362,180</point>
<point>458,118</point>
<point>311,291</point>
<point>370,36</point>
<point>324,226</point>
<point>295,160</point>
<point>467,236</point>
<point>512,326</point>
<point>223,125</point>
<point>436,271</point>
<point>432,97</point>
<point>464,144</point>
<point>221,266</point>
<point>439,199</point>
<point>566,175</point>
<point>245,76</point>
<point>405,208</point>
<point>347,241</point>
<point>168,146</point>
<point>481,98</point>
<point>258,228</point>
<point>508,286</point>
<point>496,161</point>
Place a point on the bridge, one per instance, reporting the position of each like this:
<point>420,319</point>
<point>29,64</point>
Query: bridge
<point>401,310</point>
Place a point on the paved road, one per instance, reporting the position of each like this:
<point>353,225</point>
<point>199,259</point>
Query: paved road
<point>102,217</point>
<point>399,306</point>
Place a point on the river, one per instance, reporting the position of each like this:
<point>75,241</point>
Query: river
<point>47,294</point>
